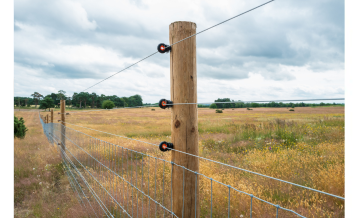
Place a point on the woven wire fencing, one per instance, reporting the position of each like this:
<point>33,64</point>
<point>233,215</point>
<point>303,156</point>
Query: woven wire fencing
<point>115,181</point>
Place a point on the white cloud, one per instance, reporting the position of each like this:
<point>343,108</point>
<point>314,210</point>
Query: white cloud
<point>286,49</point>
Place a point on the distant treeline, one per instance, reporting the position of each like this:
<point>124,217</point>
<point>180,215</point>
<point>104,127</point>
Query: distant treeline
<point>270,104</point>
<point>80,100</point>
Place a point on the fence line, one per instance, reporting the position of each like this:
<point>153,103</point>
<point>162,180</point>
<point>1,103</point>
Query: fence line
<point>105,169</point>
<point>203,158</point>
<point>233,102</point>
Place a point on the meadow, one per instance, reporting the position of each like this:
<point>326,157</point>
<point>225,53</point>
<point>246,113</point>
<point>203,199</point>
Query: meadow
<point>305,146</point>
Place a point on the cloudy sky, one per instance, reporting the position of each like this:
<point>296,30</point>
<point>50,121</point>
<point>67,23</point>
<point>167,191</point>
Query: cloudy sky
<point>288,49</point>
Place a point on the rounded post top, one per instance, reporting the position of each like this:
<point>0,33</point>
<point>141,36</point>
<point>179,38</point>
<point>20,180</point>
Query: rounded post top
<point>183,22</point>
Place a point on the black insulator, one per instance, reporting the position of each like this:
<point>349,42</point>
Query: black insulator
<point>162,48</point>
<point>165,146</point>
<point>163,103</point>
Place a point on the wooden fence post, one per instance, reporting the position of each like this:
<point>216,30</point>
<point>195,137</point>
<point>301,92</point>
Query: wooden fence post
<point>63,131</point>
<point>47,118</point>
<point>52,123</point>
<point>184,124</point>
<point>52,115</point>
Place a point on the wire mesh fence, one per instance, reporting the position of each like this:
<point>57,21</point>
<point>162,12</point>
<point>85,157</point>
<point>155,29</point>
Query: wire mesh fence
<point>114,181</point>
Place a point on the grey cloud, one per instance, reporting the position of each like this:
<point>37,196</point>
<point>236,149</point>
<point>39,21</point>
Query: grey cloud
<point>287,33</point>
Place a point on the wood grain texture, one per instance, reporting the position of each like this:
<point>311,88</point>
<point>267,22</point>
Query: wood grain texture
<point>184,124</point>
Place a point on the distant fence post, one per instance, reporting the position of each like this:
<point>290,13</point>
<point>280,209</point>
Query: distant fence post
<point>52,123</point>
<point>184,124</point>
<point>52,115</point>
<point>62,113</point>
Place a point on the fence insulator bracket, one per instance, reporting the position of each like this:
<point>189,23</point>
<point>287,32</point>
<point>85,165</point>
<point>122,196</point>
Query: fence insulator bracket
<point>165,146</point>
<point>163,103</point>
<point>162,48</point>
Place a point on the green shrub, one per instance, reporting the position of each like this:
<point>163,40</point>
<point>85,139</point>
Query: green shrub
<point>107,104</point>
<point>213,106</point>
<point>19,127</point>
<point>249,109</point>
<point>218,111</point>
<point>291,110</point>
<point>153,109</point>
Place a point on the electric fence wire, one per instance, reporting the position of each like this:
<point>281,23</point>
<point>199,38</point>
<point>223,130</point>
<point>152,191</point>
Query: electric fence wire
<point>234,167</point>
<point>224,102</point>
<point>155,158</point>
<point>179,42</point>
<point>263,101</point>
<point>110,109</point>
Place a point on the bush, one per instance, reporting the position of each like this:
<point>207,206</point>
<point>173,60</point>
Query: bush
<point>19,127</point>
<point>291,110</point>
<point>249,109</point>
<point>153,109</point>
<point>213,106</point>
<point>107,104</point>
<point>218,111</point>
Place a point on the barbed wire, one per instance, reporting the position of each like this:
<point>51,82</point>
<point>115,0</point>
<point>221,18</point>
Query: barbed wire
<point>179,42</point>
<point>203,158</point>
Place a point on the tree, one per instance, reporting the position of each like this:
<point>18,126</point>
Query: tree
<point>19,127</point>
<point>37,96</point>
<point>93,97</point>
<point>26,100</point>
<point>61,95</point>
<point>86,97</point>
<point>213,106</point>
<point>226,105</point>
<point>47,102</point>
<point>107,104</point>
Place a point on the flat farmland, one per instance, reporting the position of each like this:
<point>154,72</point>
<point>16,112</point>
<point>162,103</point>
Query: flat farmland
<point>305,146</point>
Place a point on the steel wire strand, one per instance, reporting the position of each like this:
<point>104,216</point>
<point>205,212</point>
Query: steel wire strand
<point>118,174</point>
<point>88,185</point>
<point>184,168</point>
<point>75,190</point>
<point>103,205</point>
<point>234,167</point>
<point>233,102</point>
<point>96,181</point>
<point>79,187</point>
<point>110,109</point>
<point>96,197</point>
<point>179,42</point>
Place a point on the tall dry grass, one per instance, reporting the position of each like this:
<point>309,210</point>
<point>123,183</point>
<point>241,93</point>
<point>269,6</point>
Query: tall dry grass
<point>304,147</point>
<point>40,187</point>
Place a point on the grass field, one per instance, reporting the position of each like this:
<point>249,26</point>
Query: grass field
<point>305,147</point>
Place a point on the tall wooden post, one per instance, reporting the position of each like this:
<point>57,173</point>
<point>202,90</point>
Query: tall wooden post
<point>62,113</point>
<point>47,118</point>
<point>184,124</point>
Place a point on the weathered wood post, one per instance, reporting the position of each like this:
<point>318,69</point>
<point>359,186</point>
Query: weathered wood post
<point>184,124</point>
<point>52,123</point>
<point>47,118</point>
<point>52,115</point>
<point>63,130</point>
